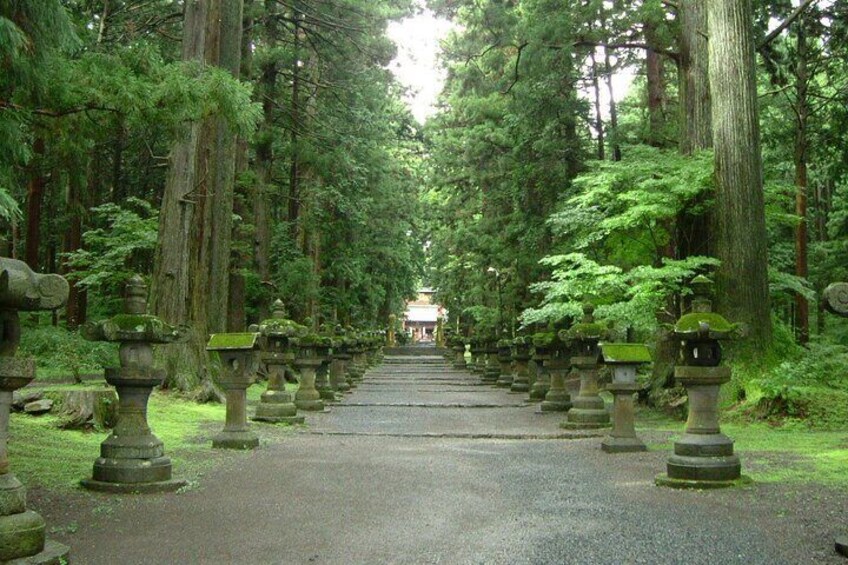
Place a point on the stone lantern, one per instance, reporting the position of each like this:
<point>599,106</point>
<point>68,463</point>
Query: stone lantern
<point>492,372</point>
<point>22,531</point>
<point>521,346</point>
<point>505,360</point>
<point>324,350</point>
<point>624,358</point>
<point>588,410</point>
<point>132,459</point>
<point>703,457</point>
<point>307,362</point>
<point>836,301</point>
<point>542,351</point>
<point>239,360</point>
<point>278,351</point>
<point>341,359</point>
<point>478,359</point>
<point>457,347</point>
<point>356,366</point>
<point>391,340</point>
<point>558,364</point>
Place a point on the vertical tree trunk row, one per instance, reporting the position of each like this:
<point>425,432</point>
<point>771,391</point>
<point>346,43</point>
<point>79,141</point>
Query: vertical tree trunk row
<point>741,241</point>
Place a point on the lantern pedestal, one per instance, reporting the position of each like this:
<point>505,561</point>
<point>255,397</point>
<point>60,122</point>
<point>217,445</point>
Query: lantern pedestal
<point>521,380</point>
<point>588,411</point>
<point>493,370</point>
<point>622,438</point>
<point>459,356</point>
<point>703,457</point>
<point>239,360</point>
<point>132,459</point>
<point>22,531</point>
<point>557,399</point>
<point>307,396</point>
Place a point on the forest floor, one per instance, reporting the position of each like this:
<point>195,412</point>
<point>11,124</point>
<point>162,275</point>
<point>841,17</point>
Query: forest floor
<point>421,464</point>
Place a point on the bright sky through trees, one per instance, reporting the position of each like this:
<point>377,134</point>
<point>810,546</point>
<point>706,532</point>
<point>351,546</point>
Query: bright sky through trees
<point>416,64</point>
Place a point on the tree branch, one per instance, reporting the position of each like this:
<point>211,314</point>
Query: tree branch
<point>785,23</point>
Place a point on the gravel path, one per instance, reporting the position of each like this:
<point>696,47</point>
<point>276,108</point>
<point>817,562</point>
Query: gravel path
<point>374,481</point>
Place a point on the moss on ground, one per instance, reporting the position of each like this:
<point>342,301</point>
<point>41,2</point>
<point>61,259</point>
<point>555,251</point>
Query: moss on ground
<point>788,453</point>
<point>43,455</point>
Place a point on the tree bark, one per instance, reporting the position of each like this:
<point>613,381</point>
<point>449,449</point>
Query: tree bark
<point>654,76</point>
<point>742,278</point>
<point>35,200</point>
<point>802,307</point>
<point>191,277</point>
<point>696,132</point>
<point>599,121</point>
<point>265,159</point>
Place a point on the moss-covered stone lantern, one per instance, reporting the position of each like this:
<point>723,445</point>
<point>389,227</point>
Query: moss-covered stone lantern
<point>478,357</point>
<point>587,410</point>
<point>391,340</point>
<point>624,359</point>
<point>505,360</point>
<point>543,341</point>
<point>239,360</point>
<point>456,343</point>
<point>356,348</point>
<point>307,362</point>
<point>132,459</point>
<point>558,364</point>
<point>703,457</point>
<point>835,299</point>
<point>341,359</point>
<point>492,371</point>
<point>521,347</point>
<point>22,531</point>
<point>278,335</point>
<point>324,350</point>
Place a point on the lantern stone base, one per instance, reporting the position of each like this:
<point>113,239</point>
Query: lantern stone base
<point>842,545</point>
<point>556,400</point>
<point>21,530</point>
<point>505,380</point>
<point>666,481</point>
<point>491,376</point>
<point>520,385</point>
<point>587,413</point>
<point>538,391</point>
<point>172,485</point>
<point>276,406</point>
<point>235,440</point>
<point>622,445</point>
<point>328,394</point>
<point>54,553</point>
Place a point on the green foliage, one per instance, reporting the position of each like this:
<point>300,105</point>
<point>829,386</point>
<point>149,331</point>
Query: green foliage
<point>627,298</point>
<point>60,353</point>
<point>122,247</point>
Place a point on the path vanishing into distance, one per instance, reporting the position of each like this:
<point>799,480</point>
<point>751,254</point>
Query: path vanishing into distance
<point>423,464</point>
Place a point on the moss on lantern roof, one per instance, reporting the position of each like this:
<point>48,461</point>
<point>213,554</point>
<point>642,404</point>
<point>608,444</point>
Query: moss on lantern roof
<point>133,327</point>
<point>718,327</point>
<point>522,340</point>
<point>544,339</point>
<point>232,341</point>
<point>312,339</point>
<point>586,330</point>
<point>625,353</point>
<point>281,327</point>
